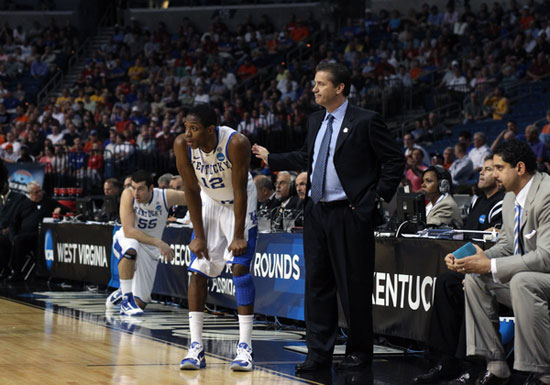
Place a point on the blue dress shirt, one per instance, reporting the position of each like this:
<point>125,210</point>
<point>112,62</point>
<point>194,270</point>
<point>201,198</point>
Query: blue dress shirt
<point>333,188</point>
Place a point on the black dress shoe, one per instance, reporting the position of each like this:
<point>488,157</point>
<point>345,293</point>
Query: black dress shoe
<point>311,366</point>
<point>466,378</point>
<point>488,378</point>
<point>355,361</point>
<point>439,372</point>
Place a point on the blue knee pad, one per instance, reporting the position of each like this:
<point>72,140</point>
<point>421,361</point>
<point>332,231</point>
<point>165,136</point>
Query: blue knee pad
<point>245,292</point>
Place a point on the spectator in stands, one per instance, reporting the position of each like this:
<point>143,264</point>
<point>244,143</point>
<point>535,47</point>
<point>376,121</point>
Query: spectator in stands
<point>545,131</point>
<point>466,138</point>
<point>462,168</point>
<point>480,152</point>
<point>8,154</point>
<point>448,157</point>
<point>447,333</point>
<point>532,138</point>
<point>123,149</point>
<point>56,137</point>
<point>415,168</point>
<point>95,164</point>
<point>409,142</point>
<point>39,68</point>
<point>540,69</point>
<point>24,156</point>
<point>10,201</point>
<point>436,129</point>
<point>24,227</point>
<point>473,108</point>
<point>247,69</point>
<point>496,104</point>
<point>69,135</point>
<point>441,208</point>
<point>164,180</point>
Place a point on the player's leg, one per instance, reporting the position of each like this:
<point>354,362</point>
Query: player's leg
<point>245,294</point>
<point>144,276</point>
<point>201,269</point>
<point>126,250</point>
<point>196,298</point>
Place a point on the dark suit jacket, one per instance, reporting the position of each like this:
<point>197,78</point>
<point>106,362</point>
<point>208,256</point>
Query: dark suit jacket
<point>8,209</point>
<point>367,158</point>
<point>29,215</point>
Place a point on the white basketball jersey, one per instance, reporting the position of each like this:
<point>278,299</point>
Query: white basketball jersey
<point>214,169</point>
<point>151,216</point>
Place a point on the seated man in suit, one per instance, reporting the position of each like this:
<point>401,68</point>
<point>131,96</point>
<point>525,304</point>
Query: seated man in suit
<point>514,272</point>
<point>10,200</point>
<point>112,190</point>
<point>441,208</point>
<point>24,227</point>
<point>447,334</point>
<point>266,193</point>
<point>286,195</point>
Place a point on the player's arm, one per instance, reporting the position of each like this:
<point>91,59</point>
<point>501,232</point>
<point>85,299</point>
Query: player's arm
<point>238,151</point>
<point>192,192</point>
<point>175,198</point>
<point>127,218</point>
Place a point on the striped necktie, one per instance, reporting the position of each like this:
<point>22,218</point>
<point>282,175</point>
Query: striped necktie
<point>517,224</point>
<point>318,181</point>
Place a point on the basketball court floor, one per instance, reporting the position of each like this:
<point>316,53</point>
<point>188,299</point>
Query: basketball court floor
<point>60,334</point>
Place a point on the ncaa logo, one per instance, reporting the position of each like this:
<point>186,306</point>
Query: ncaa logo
<point>158,207</point>
<point>48,249</point>
<point>220,156</point>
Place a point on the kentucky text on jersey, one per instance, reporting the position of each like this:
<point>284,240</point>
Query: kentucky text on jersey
<point>211,169</point>
<point>147,213</point>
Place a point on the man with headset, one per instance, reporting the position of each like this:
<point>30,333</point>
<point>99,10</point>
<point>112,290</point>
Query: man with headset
<point>441,208</point>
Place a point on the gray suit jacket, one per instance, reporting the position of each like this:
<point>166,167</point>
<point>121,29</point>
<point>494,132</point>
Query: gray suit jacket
<point>535,232</point>
<point>445,212</point>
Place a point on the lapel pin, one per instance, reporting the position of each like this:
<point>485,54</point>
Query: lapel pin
<point>346,130</point>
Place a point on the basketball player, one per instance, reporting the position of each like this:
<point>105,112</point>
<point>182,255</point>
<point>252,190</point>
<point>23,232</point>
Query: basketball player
<point>138,245</point>
<point>222,198</point>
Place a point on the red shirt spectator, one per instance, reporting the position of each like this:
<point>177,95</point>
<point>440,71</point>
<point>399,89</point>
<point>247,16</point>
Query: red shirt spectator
<point>246,70</point>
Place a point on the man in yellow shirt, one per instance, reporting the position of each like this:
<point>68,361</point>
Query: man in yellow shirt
<point>136,72</point>
<point>497,103</point>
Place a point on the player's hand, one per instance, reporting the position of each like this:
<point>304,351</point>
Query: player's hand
<point>166,251</point>
<point>260,152</point>
<point>238,246</point>
<point>198,247</point>
<point>450,261</point>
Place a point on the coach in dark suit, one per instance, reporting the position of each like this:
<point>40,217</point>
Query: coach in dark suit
<point>351,159</point>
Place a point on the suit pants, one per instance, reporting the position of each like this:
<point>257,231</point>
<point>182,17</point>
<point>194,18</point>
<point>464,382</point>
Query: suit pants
<point>447,325</point>
<point>5,250</point>
<point>22,244</point>
<point>339,258</point>
<point>528,294</point>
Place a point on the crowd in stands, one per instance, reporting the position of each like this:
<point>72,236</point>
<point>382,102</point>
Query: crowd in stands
<point>129,102</point>
<point>28,57</point>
